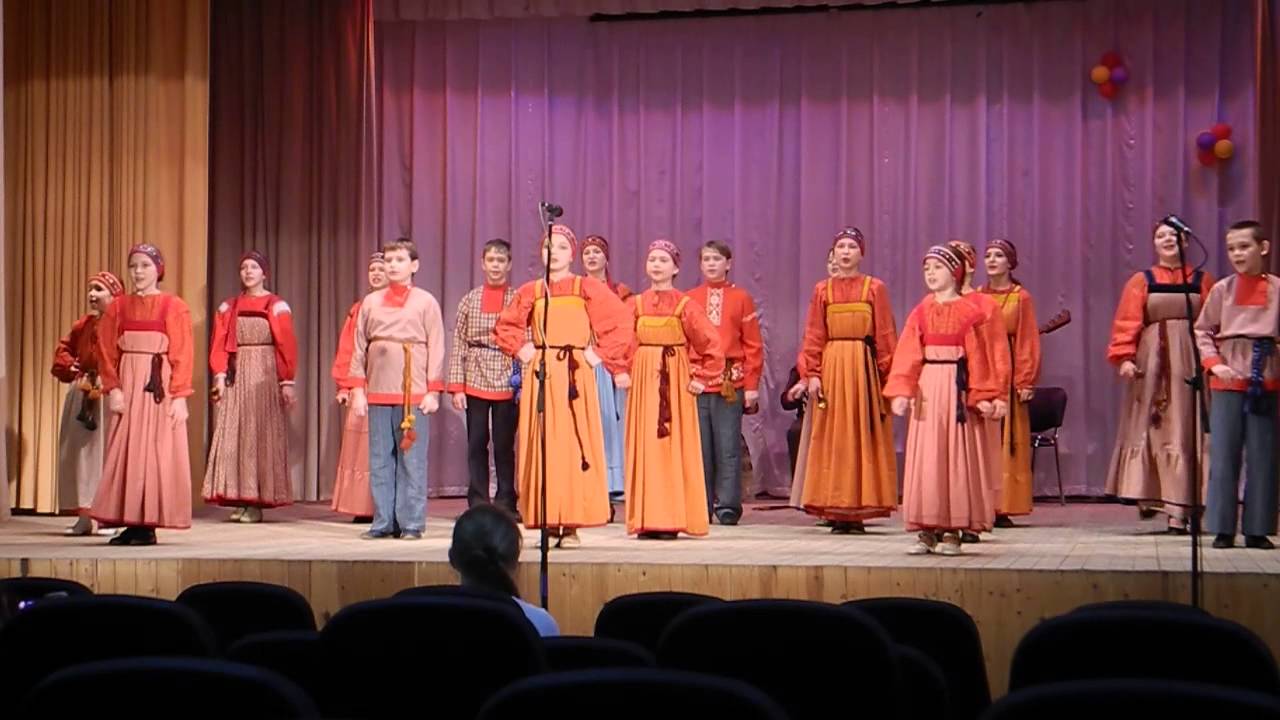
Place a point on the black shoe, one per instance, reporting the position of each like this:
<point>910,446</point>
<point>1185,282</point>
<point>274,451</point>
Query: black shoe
<point>1004,521</point>
<point>613,513</point>
<point>362,520</point>
<point>145,536</point>
<point>848,528</point>
<point>124,537</point>
<point>376,535</point>
<point>727,517</point>
<point>1258,542</point>
<point>1223,542</point>
<point>658,535</point>
<point>1175,530</point>
<point>969,537</point>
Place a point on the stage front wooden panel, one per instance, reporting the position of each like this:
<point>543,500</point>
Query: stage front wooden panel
<point>1005,603</point>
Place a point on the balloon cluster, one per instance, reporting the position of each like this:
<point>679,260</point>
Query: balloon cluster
<point>1109,74</point>
<point>1214,144</point>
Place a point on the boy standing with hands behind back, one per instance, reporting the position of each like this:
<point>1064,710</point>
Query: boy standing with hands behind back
<point>1236,333</point>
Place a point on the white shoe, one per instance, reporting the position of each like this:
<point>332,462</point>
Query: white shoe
<point>236,514</point>
<point>925,543</point>
<point>950,544</point>
<point>251,515</point>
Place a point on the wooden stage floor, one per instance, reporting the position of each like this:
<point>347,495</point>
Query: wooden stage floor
<point>1060,558</point>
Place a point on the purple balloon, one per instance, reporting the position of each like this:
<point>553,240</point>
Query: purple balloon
<point>1205,140</point>
<point>1119,74</point>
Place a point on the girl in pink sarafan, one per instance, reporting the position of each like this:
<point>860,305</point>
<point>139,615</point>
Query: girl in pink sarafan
<point>942,374</point>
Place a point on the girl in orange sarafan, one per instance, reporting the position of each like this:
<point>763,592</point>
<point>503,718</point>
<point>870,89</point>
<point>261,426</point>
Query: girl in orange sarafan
<point>1153,354</point>
<point>850,472</point>
<point>144,341</point>
<point>253,355</point>
<point>666,489</point>
<point>942,374</point>
<point>351,494</point>
<point>1018,313</point>
<point>587,325</point>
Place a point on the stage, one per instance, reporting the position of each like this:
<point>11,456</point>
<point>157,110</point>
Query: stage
<point>1062,557</point>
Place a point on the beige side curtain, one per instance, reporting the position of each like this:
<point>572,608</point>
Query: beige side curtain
<point>106,108</point>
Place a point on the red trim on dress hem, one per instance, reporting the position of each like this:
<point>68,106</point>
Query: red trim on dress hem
<point>224,501</point>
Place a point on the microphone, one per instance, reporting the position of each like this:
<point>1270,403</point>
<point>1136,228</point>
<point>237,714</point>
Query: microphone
<point>551,210</point>
<point>1176,223</point>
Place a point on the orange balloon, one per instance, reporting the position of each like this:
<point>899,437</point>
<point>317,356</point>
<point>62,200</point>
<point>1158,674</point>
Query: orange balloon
<point>1100,74</point>
<point>1224,149</point>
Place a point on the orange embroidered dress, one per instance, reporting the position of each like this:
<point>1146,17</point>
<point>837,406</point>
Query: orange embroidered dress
<point>850,472</point>
<point>666,490</point>
<point>584,313</point>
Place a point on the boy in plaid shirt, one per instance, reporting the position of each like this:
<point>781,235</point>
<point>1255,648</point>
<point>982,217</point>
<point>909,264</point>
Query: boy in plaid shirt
<point>480,381</point>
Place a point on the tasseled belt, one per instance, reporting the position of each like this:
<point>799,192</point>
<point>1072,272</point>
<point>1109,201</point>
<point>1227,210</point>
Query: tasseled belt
<point>89,395</point>
<point>962,383</point>
<point>408,435</point>
<point>565,353</point>
<point>664,388</point>
<point>155,379</point>
<point>1256,400</point>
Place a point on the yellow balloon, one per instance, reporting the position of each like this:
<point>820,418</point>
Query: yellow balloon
<point>1224,149</point>
<point>1100,74</point>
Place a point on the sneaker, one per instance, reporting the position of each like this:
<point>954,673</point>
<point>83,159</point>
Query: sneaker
<point>925,542</point>
<point>1224,541</point>
<point>375,535</point>
<point>410,535</point>
<point>727,517</point>
<point>1258,542</point>
<point>950,544</point>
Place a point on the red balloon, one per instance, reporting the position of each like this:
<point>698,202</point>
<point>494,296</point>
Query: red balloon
<point>1111,59</point>
<point>1206,158</point>
<point>1107,90</point>
<point>1221,131</point>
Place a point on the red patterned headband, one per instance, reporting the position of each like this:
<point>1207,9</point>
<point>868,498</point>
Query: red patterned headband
<point>966,250</point>
<point>1006,247</point>
<point>377,258</point>
<point>596,241</point>
<point>853,234</point>
<point>667,247</point>
<point>110,281</point>
<point>950,257</point>
<point>567,234</point>
<point>152,252</point>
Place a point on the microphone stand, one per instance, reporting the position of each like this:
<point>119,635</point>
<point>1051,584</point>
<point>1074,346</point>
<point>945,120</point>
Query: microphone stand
<point>541,404</point>
<point>1200,419</point>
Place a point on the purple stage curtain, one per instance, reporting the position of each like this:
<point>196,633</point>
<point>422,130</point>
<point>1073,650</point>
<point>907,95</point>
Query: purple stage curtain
<point>291,158</point>
<point>917,125</point>
<point>489,9</point>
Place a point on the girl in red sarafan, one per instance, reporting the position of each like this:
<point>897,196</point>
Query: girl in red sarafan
<point>253,356</point>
